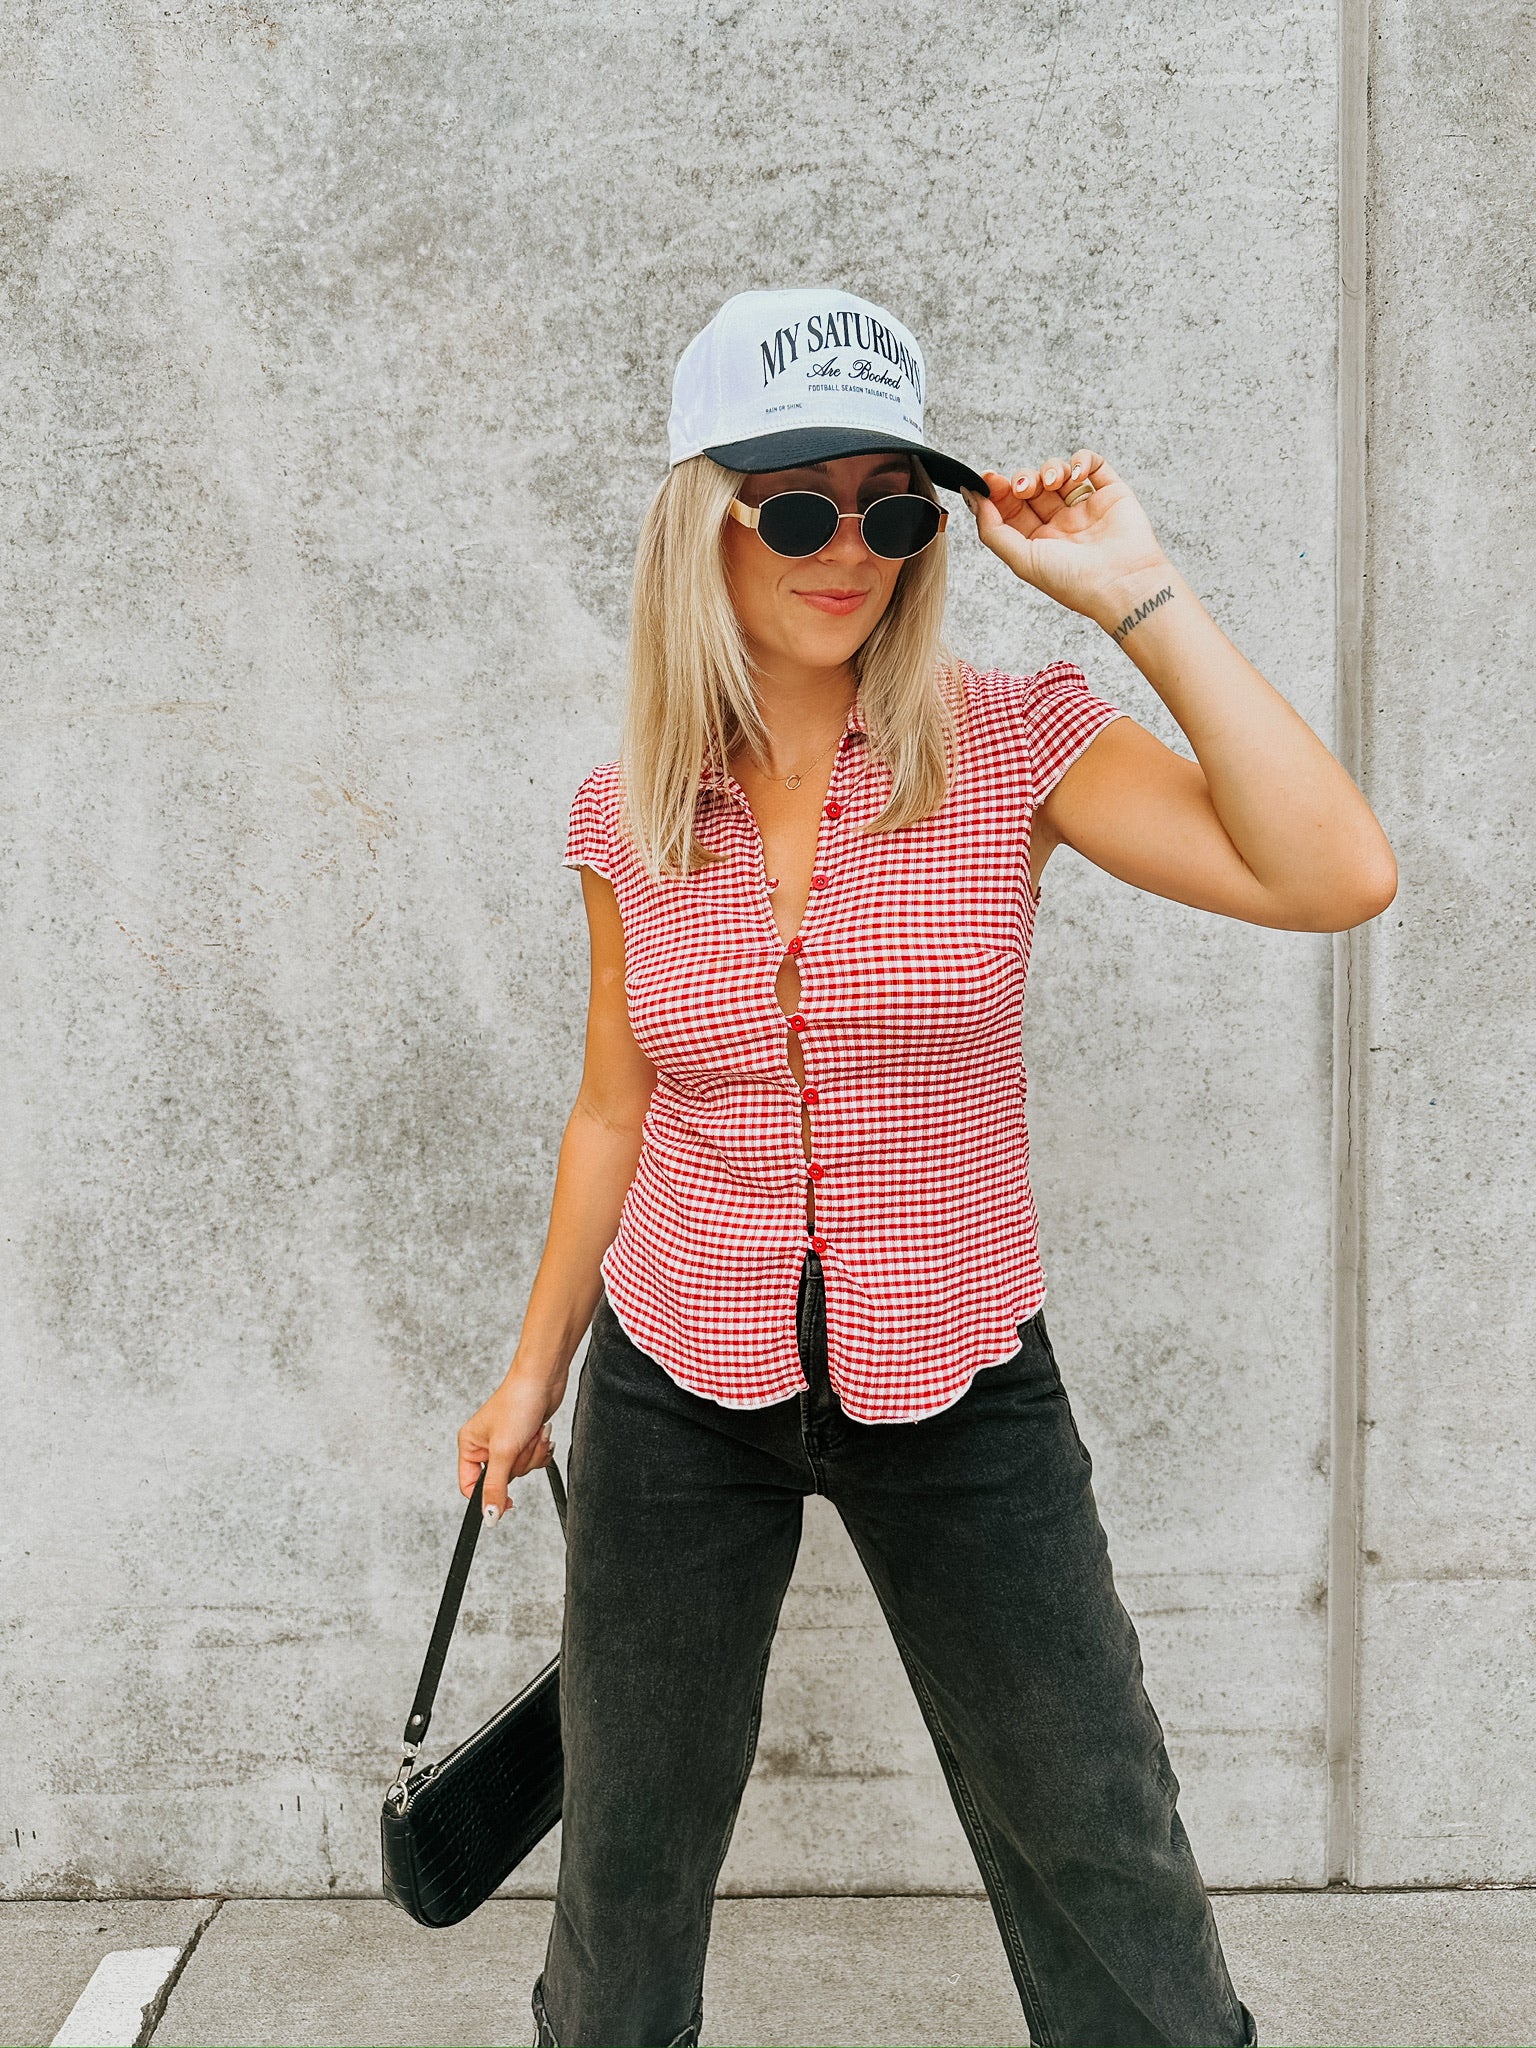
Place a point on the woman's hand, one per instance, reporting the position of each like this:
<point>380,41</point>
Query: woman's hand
<point>510,1436</point>
<point>1082,554</point>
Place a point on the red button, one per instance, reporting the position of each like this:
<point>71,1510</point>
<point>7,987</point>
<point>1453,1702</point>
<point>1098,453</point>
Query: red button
<point>820,881</point>
<point>818,1243</point>
<point>809,1095</point>
<point>796,945</point>
<point>797,1022</point>
<point>816,1170</point>
<point>833,808</point>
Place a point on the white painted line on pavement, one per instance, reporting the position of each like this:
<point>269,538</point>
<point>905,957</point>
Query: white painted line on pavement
<point>109,2013</point>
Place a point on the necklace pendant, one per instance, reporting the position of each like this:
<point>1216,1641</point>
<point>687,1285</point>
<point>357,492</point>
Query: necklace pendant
<point>791,782</point>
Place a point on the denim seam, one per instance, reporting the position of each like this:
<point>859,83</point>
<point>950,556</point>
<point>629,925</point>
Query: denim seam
<point>806,1320</point>
<point>805,1333</point>
<point>696,2026</point>
<point>981,1841</point>
<point>1066,1400</point>
<point>816,1468</point>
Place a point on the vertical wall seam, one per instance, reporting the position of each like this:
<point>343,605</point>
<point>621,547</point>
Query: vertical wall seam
<point>1346,1390</point>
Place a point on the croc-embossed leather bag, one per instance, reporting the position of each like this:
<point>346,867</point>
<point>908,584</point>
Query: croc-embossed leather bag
<point>453,1830</point>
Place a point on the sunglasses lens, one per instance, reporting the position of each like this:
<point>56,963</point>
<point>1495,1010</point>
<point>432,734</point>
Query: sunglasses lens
<point>900,526</point>
<point>796,522</point>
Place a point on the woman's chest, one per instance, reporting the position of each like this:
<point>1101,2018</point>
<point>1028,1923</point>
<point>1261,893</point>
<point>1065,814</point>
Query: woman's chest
<point>904,937</point>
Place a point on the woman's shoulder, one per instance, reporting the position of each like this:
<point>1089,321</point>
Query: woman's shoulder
<point>1015,694</point>
<point>590,836</point>
<point>1042,718</point>
<point>600,785</point>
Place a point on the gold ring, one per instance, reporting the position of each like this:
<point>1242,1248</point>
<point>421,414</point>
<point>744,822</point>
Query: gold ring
<point>1084,490</point>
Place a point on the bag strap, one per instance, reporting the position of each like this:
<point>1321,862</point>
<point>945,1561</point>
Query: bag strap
<point>448,1607</point>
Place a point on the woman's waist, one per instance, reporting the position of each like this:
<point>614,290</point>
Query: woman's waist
<point>974,1151</point>
<point>934,1232</point>
<point>884,1097</point>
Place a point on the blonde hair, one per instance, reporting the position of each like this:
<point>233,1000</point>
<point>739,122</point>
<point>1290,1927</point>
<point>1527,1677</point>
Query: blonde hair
<point>691,701</point>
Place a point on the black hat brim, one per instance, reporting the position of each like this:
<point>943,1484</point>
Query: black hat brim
<point>794,445</point>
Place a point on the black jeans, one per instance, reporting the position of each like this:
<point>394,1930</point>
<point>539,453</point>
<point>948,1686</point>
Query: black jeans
<point>979,1531</point>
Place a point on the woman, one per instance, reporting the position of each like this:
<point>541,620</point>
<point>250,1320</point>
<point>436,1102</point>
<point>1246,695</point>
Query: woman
<point>792,1198</point>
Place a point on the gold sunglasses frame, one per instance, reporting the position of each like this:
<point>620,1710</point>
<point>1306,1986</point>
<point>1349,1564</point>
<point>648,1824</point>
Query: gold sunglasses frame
<point>747,515</point>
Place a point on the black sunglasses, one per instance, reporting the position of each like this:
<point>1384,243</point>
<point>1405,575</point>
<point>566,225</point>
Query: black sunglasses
<point>796,523</point>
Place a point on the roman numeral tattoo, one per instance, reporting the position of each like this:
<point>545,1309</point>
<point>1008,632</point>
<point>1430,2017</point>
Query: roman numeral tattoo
<point>1134,619</point>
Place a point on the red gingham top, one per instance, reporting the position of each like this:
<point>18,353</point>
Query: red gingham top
<point>912,955</point>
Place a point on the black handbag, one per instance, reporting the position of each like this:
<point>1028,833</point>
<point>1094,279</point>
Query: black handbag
<point>452,1831</point>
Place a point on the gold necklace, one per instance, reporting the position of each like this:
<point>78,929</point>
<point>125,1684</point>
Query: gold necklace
<point>793,781</point>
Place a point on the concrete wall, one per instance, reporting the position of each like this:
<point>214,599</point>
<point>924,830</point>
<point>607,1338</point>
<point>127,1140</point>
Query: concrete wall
<point>1448,1710</point>
<point>339,344</point>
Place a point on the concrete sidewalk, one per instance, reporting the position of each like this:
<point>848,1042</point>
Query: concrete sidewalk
<point>1427,1968</point>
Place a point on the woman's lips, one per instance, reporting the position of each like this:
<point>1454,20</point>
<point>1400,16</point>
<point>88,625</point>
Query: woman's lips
<point>839,603</point>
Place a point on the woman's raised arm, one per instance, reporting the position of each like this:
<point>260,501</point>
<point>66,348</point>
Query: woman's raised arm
<point>598,1157</point>
<point>1264,824</point>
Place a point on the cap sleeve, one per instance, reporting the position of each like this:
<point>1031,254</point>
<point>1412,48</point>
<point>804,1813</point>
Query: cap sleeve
<point>589,835</point>
<point>1061,717</point>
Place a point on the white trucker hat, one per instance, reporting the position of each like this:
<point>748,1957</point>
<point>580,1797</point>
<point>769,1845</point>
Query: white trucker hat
<point>778,378</point>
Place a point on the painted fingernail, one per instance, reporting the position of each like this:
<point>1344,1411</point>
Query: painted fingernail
<point>492,1512</point>
<point>1077,471</point>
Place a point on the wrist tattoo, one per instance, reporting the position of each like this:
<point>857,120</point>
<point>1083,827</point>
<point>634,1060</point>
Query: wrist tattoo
<point>1134,619</point>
